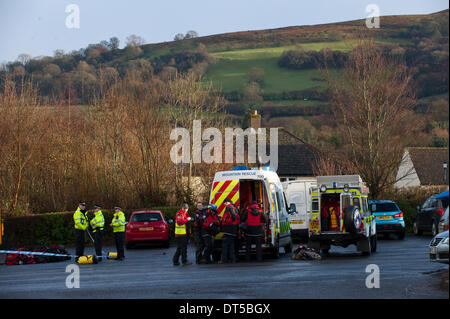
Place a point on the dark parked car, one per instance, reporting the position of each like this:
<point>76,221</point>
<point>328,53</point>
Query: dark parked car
<point>428,216</point>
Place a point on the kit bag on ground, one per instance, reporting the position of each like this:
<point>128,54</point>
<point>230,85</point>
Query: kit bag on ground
<point>19,259</point>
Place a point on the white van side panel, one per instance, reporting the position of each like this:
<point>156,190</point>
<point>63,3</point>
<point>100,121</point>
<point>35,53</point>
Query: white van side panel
<point>297,192</point>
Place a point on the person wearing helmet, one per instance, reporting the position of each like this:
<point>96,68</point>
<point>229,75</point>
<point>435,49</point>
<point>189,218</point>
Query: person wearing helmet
<point>210,228</point>
<point>254,218</point>
<point>198,221</point>
<point>229,226</point>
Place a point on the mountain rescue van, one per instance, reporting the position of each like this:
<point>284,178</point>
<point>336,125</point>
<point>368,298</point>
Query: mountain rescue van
<point>298,193</point>
<point>243,185</point>
<point>340,214</point>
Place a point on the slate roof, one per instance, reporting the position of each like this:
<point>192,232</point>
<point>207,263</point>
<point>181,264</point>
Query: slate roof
<point>428,163</point>
<point>295,156</point>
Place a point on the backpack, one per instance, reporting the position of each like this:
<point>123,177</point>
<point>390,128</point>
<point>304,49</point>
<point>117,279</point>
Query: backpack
<point>26,259</point>
<point>12,259</point>
<point>57,249</point>
<point>41,259</point>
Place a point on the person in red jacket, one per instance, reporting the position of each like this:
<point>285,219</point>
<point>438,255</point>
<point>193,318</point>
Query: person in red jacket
<point>210,228</point>
<point>181,234</point>
<point>254,218</point>
<point>229,227</point>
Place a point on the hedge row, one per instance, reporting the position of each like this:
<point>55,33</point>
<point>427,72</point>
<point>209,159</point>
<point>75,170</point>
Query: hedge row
<point>58,228</point>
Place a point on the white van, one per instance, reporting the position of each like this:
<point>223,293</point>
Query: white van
<point>298,193</point>
<point>243,185</point>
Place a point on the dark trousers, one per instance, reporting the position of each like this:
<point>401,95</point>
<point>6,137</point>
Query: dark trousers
<point>79,242</point>
<point>119,238</point>
<point>198,246</point>
<point>207,245</point>
<point>228,247</point>
<point>181,249</point>
<point>98,235</point>
<point>257,241</point>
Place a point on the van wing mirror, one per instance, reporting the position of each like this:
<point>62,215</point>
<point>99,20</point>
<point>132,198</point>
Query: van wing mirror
<point>292,209</point>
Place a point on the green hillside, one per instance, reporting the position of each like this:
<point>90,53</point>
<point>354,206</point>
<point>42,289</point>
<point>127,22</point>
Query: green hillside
<point>260,68</point>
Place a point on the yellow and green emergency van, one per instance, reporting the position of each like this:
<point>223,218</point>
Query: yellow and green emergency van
<point>244,185</point>
<point>340,214</point>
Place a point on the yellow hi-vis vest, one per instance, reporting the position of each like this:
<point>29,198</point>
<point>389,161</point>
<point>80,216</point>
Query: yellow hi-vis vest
<point>180,230</point>
<point>98,221</point>
<point>80,220</point>
<point>118,222</point>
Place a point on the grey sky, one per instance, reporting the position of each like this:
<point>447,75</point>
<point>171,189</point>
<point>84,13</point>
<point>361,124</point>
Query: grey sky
<point>38,27</point>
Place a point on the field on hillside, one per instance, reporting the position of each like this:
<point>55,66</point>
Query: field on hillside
<point>229,72</point>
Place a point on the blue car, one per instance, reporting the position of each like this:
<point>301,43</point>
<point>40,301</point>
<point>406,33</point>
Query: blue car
<point>388,217</point>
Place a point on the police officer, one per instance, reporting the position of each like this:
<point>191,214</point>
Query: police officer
<point>81,224</point>
<point>118,224</point>
<point>181,234</point>
<point>229,226</point>
<point>255,219</point>
<point>210,228</point>
<point>97,225</point>
<point>198,221</point>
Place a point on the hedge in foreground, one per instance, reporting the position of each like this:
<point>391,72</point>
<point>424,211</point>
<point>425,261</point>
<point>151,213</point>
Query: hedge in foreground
<point>58,228</point>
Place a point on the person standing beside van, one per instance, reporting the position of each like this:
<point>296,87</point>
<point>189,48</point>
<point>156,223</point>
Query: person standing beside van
<point>254,218</point>
<point>210,228</point>
<point>230,222</point>
<point>198,221</point>
<point>181,234</point>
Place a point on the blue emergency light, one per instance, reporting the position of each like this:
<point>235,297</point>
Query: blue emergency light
<point>240,168</point>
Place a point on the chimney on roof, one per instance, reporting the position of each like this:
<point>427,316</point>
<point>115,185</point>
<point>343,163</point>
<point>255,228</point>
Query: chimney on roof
<point>255,120</point>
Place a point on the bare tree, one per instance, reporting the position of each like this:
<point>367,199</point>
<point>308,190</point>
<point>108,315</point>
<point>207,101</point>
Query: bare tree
<point>373,103</point>
<point>135,40</point>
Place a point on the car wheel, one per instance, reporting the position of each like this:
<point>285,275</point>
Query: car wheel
<point>166,244</point>
<point>434,229</point>
<point>416,229</point>
<point>369,247</point>
<point>373,244</point>
<point>352,219</point>
<point>129,245</point>
<point>276,250</point>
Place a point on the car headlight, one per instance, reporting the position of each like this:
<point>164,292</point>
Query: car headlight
<point>445,241</point>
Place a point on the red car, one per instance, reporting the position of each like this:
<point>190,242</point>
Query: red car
<point>146,227</point>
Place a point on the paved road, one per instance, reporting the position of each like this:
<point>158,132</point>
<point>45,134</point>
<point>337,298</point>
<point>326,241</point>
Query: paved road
<point>405,272</point>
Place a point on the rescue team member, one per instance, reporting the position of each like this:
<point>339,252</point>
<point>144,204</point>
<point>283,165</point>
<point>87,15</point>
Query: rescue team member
<point>181,234</point>
<point>97,225</point>
<point>255,219</point>
<point>198,221</point>
<point>81,224</point>
<point>118,224</point>
<point>210,228</point>
<point>229,228</point>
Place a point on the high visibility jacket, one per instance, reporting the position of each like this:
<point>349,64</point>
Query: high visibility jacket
<point>118,222</point>
<point>180,223</point>
<point>98,222</point>
<point>80,220</point>
<point>230,221</point>
<point>254,218</point>
<point>334,213</point>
